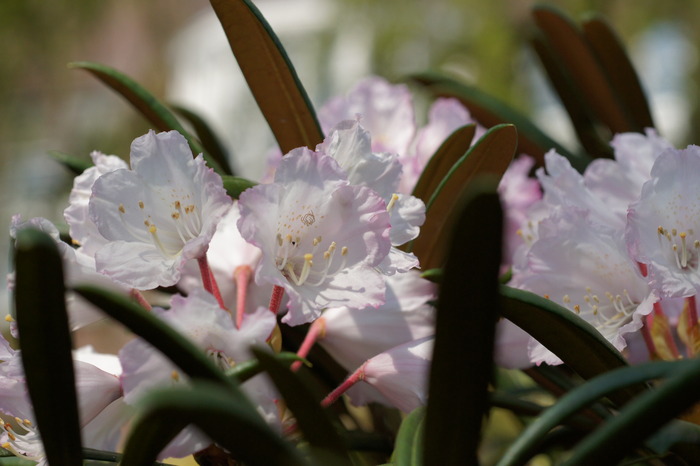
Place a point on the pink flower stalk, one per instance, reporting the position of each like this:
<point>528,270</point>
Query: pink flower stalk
<point>321,237</point>
<point>159,214</point>
<point>400,375</point>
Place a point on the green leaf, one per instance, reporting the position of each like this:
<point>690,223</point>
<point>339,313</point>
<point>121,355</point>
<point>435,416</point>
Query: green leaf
<point>579,398</point>
<point>270,75</point>
<point>489,111</point>
<point>249,369</point>
<point>640,418</point>
<point>311,417</point>
<point>449,152</point>
<point>235,185</point>
<point>42,321</point>
<point>409,440</point>
<point>582,66</point>
<point>490,155</point>
<point>210,141</point>
<point>467,311</point>
<point>619,69</point>
<point>145,103</point>
<point>230,422</point>
<point>71,162</point>
<point>434,275</point>
<point>582,117</point>
<point>181,351</point>
<point>572,339</point>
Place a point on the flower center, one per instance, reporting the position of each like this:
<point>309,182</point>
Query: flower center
<point>22,439</point>
<point>610,312</point>
<point>683,247</point>
<point>312,266</point>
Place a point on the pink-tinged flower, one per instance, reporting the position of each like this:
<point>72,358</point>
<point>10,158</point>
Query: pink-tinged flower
<point>663,229</point>
<point>82,229</point>
<point>619,182</point>
<point>584,267</point>
<point>321,237</point>
<point>353,336</point>
<point>99,393</point>
<point>400,375</point>
<point>518,193</point>
<point>511,348</point>
<point>386,111</point>
<point>157,215</point>
<point>78,267</point>
<point>350,145</point>
<point>198,317</point>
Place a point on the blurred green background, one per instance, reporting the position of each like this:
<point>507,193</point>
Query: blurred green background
<point>176,50</point>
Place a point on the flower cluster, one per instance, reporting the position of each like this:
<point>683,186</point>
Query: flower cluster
<point>318,244</point>
<point>617,245</point>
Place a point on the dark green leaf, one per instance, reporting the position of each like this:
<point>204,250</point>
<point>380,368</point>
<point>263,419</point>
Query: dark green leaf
<point>491,156</point>
<point>230,422</point>
<point>249,369</point>
<point>640,418</point>
<point>451,150</point>
<point>210,141</point>
<point>145,103</point>
<point>468,308</point>
<point>618,68</point>
<point>181,351</point>
<point>42,321</point>
<point>579,398</point>
<point>490,111</point>
<point>311,417</point>
<point>409,440</point>
<point>235,185</point>
<point>572,339</point>
<point>270,75</point>
<point>71,162</point>
<point>583,68</point>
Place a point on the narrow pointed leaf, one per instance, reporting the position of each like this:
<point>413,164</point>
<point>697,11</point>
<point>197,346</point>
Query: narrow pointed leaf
<point>146,104</point>
<point>270,75</point>
<point>235,185</point>
<point>489,111</point>
<point>565,334</point>
<point>572,50</point>
<point>249,369</point>
<point>449,152</point>
<point>640,418</point>
<point>181,351</point>
<point>311,417</point>
<point>42,321</point>
<point>579,398</point>
<point>409,440</point>
<point>228,421</point>
<point>581,114</point>
<point>619,69</point>
<point>71,162</point>
<point>468,308</point>
<point>491,156</point>
<point>206,135</point>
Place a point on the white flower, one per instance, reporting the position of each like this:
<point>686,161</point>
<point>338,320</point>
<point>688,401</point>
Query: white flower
<point>157,215</point>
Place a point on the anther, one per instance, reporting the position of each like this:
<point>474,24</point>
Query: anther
<point>390,205</point>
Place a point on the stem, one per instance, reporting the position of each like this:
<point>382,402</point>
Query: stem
<point>241,276</point>
<point>333,396</point>
<point>648,340</point>
<point>316,332</point>
<point>208,280</point>
<point>668,338</point>
<point>276,298</point>
<point>692,312</point>
<point>139,298</point>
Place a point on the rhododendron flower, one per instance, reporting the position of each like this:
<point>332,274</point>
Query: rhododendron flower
<point>663,229</point>
<point>199,317</point>
<point>584,267</point>
<point>321,237</point>
<point>350,145</point>
<point>157,215</point>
